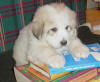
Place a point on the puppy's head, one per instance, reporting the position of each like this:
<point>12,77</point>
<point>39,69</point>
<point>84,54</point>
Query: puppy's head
<point>56,24</point>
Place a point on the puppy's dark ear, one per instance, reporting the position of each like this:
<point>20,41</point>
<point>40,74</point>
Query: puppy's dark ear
<point>37,28</point>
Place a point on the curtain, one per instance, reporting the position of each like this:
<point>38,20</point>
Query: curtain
<point>15,14</point>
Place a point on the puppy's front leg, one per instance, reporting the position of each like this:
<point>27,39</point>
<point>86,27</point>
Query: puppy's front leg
<point>46,55</point>
<point>51,58</point>
<point>78,49</point>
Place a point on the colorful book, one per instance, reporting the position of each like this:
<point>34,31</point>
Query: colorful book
<point>92,61</point>
<point>27,74</point>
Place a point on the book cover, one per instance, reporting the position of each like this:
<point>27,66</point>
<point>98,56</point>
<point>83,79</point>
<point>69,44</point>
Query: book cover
<point>92,61</point>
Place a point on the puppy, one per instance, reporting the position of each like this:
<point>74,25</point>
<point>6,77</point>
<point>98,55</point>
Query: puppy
<point>52,29</point>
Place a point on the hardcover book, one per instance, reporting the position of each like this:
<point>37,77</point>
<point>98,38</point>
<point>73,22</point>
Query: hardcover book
<point>26,73</point>
<point>92,61</point>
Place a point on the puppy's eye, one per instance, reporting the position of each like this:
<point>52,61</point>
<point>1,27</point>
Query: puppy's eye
<point>67,27</point>
<point>54,29</point>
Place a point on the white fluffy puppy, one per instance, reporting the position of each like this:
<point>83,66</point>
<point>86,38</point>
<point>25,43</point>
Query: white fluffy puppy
<point>52,29</point>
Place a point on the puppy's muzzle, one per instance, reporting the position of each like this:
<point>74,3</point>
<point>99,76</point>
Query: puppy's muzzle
<point>63,42</point>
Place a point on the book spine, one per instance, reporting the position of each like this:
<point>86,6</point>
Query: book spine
<point>82,76</point>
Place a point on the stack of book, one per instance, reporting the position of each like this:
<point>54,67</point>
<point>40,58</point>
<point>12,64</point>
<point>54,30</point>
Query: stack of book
<point>73,71</point>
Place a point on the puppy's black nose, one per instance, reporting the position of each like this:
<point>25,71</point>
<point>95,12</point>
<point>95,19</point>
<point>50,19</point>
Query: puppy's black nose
<point>63,42</point>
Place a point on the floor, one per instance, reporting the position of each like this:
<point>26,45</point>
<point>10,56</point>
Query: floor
<point>93,17</point>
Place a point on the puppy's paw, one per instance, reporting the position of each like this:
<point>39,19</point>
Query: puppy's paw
<point>80,51</point>
<point>56,61</point>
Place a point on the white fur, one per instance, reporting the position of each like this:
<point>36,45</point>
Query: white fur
<point>44,48</point>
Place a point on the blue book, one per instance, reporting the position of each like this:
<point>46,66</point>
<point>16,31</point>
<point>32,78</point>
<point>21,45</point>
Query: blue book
<point>92,61</point>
